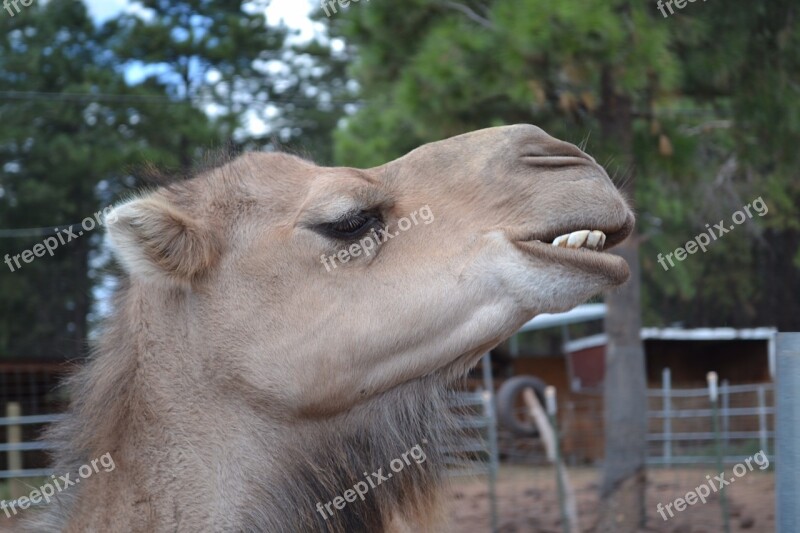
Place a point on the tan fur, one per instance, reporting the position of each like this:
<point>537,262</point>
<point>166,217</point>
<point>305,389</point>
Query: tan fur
<point>239,382</point>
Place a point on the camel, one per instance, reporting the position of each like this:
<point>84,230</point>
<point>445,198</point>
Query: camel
<point>239,385</point>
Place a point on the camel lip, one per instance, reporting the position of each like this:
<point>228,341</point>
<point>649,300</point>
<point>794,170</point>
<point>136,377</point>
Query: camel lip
<point>592,262</point>
<point>614,235</point>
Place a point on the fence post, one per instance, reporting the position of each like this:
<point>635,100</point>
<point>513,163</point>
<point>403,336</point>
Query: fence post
<point>762,419</point>
<point>550,407</point>
<point>491,413</point>
<point>14,436</point>
<point>787,431</point>
<point>713,395</point>
<point>666,404</point>
<point>725,397</point>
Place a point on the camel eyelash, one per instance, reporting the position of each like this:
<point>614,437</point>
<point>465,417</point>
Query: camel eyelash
<point>351,226</point>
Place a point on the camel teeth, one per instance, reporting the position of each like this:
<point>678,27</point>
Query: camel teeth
<point>596,240</point>
<point>591,240</point>
<point>577,238</point>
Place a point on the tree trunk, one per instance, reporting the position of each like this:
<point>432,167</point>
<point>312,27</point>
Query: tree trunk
<point>625,387</point>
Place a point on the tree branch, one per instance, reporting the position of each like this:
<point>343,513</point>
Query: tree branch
<point>472,15</point>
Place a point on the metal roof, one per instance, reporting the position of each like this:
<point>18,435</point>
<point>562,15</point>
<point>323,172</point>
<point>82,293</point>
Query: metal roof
<point>582,313</point>
<point>680,334</point>
<point>698,334</point>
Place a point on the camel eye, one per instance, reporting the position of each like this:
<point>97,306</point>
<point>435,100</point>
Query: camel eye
<point>352,226</point>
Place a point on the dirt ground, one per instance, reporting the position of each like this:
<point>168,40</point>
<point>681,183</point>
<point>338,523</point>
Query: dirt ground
<point>528,501</point>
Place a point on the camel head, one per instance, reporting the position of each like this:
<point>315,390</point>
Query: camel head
<point>285,327</point>
<point>324,287</point>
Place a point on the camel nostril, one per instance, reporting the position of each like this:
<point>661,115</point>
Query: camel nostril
<point>557,160</point>
<point>562,151</point>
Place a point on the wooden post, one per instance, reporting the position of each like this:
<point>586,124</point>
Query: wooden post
<point>14,436</point>
<point>540,419</point>
<point>548,431</point>
<point>725,398</point>
<point>494,457</point>
<point>713,394</point>
<point>762,420</point>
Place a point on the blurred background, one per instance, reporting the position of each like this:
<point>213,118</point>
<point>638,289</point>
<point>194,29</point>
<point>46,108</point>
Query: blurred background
<point>692,107</point>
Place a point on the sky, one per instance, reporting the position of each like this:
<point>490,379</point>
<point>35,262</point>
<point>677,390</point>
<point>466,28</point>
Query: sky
<point>293,12</point>
<point>103,9</point>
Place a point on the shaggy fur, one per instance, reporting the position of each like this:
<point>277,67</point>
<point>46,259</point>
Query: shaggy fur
<point>238,383</point>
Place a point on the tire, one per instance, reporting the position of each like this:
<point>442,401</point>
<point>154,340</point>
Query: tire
<point>509,400</point>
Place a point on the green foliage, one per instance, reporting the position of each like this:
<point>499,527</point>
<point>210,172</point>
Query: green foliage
<point>314,93</point>
<point>207,55</point>
<point>714,91</point>
<point>221,57</point>
<point>55,150</point>
<point>76,132</point>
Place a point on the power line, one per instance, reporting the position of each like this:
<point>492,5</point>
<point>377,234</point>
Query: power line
<point>145,98</point>
<point>34,232</point>
<point>117,98</point>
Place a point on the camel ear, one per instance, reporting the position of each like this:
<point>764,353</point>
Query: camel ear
<point>153,238</point>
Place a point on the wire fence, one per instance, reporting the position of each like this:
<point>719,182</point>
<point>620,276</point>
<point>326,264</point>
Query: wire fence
<point>681,429</point>
<point>682,458</point>
<point>504,482</point>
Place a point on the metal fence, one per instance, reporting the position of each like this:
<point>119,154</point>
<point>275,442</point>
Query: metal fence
<point>682,454</point>
<point>14,446</point>
<point>522,489</point>
<point>681,425</point>
<point>474,449</point>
